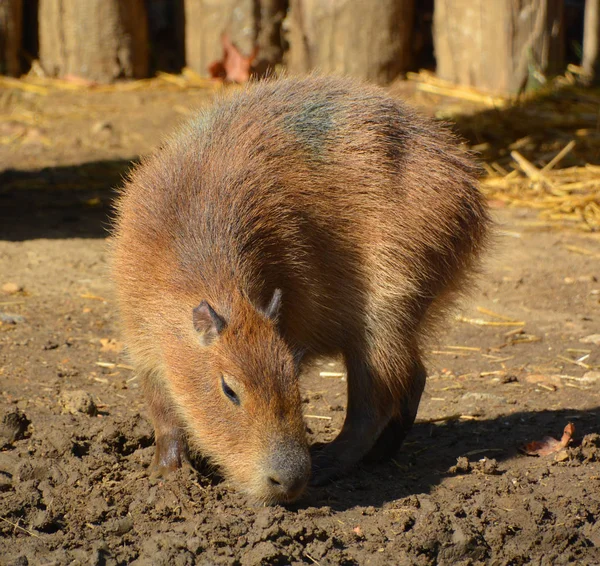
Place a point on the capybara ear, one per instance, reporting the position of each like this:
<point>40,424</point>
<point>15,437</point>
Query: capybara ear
<point>272,310</point>
<point>207,323</point>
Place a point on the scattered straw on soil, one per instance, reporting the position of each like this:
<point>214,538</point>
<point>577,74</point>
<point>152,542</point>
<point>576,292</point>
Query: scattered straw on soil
<point>564,197</point>
<point>38,84</point>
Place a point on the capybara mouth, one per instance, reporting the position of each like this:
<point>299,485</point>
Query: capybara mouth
<point>283,475</point>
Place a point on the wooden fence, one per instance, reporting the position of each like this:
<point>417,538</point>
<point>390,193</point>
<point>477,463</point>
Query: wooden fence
<point>501,46</point>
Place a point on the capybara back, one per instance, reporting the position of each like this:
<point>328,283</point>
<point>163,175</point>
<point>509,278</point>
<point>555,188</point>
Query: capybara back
<point>295,218</point>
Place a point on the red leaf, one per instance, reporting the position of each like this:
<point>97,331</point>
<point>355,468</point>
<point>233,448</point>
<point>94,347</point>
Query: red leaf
<point>549,445</point>
<point>234,67</point>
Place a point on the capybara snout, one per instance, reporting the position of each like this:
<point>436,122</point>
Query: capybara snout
<point>295,218</point>
<point>286,470</point>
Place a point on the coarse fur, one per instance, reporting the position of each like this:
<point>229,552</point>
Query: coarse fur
<point>363,217</point>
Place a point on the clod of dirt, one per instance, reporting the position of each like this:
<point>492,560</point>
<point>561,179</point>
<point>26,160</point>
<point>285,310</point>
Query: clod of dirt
<point>27,471</point>
<point>587,451</point>
<point>462,466</point>
<point>11,288</point>
<point>110,345</point>
<point>561,456</point>
<point>8,463</point>
<point>78,401</point>
<point>488,466</point>
<point>9,318</point>
<point>120,526</point>
<point>13,427</point>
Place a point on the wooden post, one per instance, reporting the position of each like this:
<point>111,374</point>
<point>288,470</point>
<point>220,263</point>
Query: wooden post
<point>369,40</point>
<point>100,40</point>
<point>503,47</point>
<point>11,29</point>
<point>591,41</point>
<point>166,35</point>
<point>248,23</point>
<point>269,38</point>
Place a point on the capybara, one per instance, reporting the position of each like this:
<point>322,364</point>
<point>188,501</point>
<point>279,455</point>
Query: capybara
<point>295,218</point>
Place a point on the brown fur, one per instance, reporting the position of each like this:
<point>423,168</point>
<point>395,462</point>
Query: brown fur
<point>365,215</point>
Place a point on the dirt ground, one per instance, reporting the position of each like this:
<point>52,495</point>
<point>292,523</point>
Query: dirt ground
<point>75,445</point>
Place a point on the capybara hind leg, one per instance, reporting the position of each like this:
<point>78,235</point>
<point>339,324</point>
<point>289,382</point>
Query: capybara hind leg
<point>368,412</point>
<point>171,448</point>
<point>395,432</point>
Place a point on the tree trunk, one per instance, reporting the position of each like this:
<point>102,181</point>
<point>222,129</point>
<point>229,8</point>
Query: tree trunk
<point>591,41</point>
<point>502,47</point>
<point>11,28</point>
<point>100,40</point>
<point>248,23</point>
<point>369,40</point>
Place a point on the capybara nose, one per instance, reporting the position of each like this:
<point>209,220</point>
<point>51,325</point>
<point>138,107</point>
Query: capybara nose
<point>288,472</point>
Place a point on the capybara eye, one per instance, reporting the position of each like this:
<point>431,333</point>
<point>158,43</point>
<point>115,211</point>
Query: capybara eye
<point>231,394</point>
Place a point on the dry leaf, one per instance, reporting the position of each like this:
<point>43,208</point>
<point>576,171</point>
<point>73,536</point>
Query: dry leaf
<point>110,345</point>
<point>234,67</point>
<point>549,445</point>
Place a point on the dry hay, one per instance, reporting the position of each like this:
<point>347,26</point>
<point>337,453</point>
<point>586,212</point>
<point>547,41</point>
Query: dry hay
<point>524,140</point>
<point>37,83</point>
<point>568,196</point>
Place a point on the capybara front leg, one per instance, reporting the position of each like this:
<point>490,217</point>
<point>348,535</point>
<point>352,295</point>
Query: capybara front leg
<point>368,412</point>
<point>395,432</point>
<point>171,447</point>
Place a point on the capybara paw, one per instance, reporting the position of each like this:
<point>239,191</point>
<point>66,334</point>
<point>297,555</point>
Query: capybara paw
<point>326,464</point>
<point>388,443</point>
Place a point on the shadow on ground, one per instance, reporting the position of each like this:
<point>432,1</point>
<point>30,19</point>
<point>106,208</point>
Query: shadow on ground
<point>59,202</point>
<point>431,449</point>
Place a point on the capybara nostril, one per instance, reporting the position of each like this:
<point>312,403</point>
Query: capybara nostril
<point>287,472</point>
<point>287,486</point>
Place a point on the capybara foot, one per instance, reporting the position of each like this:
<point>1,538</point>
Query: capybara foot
<point>389,441</point>
<point>326,463</point>
<point>170,453</point>
<point>333,459</point>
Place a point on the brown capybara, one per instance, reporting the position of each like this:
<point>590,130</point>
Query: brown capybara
<point>295,218</point>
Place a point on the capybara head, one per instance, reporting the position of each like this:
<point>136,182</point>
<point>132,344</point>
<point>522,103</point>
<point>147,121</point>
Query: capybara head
<point>236,381</point>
